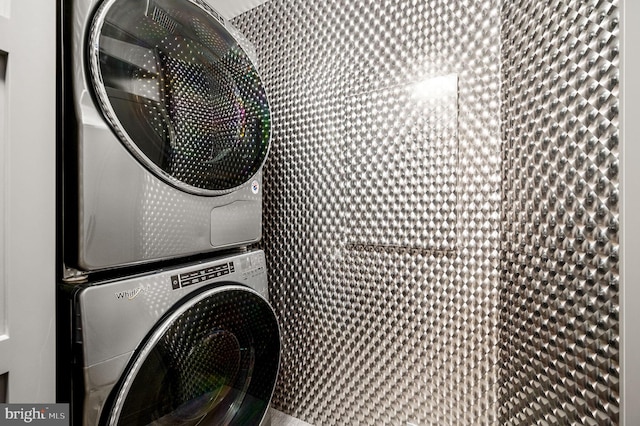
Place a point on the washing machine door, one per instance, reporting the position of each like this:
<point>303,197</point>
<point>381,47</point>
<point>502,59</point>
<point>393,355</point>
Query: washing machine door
<point>212,360</point>
<point>180,92</point>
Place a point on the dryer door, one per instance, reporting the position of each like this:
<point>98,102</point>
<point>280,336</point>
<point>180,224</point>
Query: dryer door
<point>179,92</point>
<point>212,360</point>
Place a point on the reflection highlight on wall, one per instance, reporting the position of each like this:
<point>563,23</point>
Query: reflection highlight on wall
<point>383,253</point>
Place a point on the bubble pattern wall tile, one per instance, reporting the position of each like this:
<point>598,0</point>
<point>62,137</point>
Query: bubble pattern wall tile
<point>561,213</point>
<point>380,329</point>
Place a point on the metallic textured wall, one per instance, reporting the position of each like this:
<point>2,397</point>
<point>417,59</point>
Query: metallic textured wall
<point>382,207</point>
<point>560,296</point>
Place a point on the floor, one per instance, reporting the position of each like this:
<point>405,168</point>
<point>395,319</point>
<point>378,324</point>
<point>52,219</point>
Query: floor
<point>278,418</point>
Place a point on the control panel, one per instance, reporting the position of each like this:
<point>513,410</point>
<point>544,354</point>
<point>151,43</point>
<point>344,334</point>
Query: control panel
<point>201,275</point>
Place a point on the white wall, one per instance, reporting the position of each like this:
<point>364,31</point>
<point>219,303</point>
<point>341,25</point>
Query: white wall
<point>630,120</point>
<point>27,204</point>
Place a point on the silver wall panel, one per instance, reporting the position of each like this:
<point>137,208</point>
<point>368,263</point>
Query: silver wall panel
<point>382,217</point>
<point>560,298</point>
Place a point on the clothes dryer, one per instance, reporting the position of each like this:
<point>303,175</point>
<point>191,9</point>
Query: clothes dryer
<point>195,345</point>
<point>166,126</point>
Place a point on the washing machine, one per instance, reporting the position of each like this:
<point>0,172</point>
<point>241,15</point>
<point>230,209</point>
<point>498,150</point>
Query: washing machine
<point>198,344</point>
<point>165,129</point>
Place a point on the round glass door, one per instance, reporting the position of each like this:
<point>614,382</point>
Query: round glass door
<point>180,92</point>
<point>213,361</point>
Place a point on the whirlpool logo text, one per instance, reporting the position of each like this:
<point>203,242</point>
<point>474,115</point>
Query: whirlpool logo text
<point>133,293</point>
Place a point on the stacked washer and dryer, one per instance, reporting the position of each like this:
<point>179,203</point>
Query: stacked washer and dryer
<point>163,311</point>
